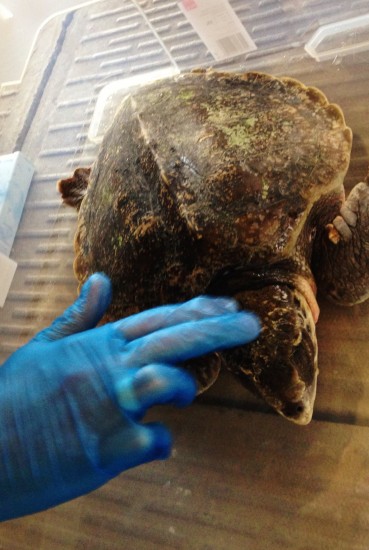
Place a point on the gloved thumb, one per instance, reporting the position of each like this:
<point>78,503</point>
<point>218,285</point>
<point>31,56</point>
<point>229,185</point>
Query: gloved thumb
<point>84,314</point>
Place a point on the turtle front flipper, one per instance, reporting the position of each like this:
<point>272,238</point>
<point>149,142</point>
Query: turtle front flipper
<point>341,261</point>
<point>74,189</point>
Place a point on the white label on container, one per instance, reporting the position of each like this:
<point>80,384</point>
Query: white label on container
<point>15,177</point>
<point>218,27</point>
<point>7,271</point>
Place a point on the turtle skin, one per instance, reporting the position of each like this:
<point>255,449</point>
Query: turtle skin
<point>229,184</point>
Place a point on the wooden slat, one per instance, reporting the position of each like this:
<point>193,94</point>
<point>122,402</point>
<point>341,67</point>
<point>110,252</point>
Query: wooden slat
<point>237,480</point>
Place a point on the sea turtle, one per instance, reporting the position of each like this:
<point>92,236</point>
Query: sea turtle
<point>229,184</point>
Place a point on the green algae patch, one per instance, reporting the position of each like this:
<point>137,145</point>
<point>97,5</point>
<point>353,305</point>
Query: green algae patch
<point>187,95</point>
<point>237,128</point>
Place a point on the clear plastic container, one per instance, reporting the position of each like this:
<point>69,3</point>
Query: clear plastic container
<point>112,96</point>
<point>339,39</point>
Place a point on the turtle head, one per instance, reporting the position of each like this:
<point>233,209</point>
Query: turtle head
<point>281,365</point>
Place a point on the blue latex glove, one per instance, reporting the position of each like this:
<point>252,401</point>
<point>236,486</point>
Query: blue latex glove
<point>71,400</point>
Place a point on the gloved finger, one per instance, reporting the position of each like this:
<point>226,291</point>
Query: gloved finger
<point>131,447</point>
<point>84,314</point>
<point>157,318</point>
<point>176,344</point>
<point>154,385</point>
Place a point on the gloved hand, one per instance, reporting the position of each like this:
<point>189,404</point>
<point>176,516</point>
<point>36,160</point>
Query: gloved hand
<point>72,398</point>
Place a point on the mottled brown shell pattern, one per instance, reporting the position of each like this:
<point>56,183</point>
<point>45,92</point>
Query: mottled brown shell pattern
<point>205,171</point>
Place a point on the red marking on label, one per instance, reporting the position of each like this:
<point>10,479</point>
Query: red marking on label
<point>189,5</point>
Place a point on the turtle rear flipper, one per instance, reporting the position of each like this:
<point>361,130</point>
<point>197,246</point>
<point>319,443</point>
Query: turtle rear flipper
<point>74,189</point>
<point>342,266</point>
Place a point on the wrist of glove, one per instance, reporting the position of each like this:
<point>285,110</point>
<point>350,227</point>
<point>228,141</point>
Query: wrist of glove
<point>72,399</point>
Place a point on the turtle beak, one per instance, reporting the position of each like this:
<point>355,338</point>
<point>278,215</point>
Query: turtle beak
<point>300,411</point>
<point>292,390</point>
